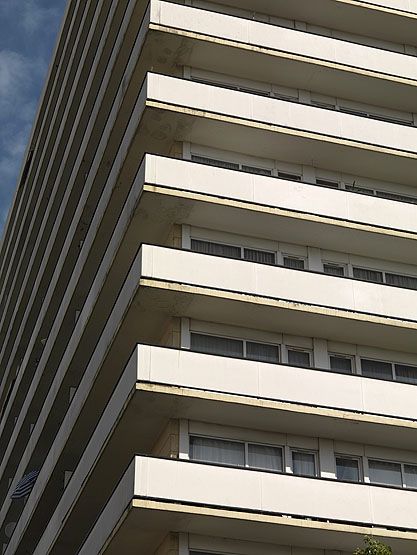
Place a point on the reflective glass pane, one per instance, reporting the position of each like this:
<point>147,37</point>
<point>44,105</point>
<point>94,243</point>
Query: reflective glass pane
<point>410,476</point>
<point>406,374</point>
<point>298,358</point>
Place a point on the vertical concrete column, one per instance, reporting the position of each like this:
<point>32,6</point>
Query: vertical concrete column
<point>314,259</point>
<point>327,460</point>
<point>320,353</point>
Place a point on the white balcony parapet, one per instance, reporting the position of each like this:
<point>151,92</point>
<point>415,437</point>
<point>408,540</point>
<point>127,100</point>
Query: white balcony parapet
<point>271,191</point>
<point>316,290</point>
<point>164,482</point>
<point>246,31</point>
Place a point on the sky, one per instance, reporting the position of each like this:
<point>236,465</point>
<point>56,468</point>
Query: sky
<point>28,30</point>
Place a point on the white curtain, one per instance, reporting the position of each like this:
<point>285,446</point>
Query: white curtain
<point>262,352</point>
<point>383,472</point>
<point>294,263</point>
<point>253,169</point>
<point>217,451</point>
<point>263,456</point>
<point>376,369</point>
<point>216,345</point>
<point>304,464</point>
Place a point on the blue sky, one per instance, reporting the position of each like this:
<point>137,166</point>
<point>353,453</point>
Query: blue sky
<point>28,30</point>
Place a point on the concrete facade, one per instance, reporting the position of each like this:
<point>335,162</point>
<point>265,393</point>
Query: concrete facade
<point>208,283</point>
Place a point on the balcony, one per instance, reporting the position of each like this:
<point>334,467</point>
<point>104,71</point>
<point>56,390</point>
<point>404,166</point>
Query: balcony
<point>258,50</point>
<point>159,383</point>
<point>157,495</point>
<point>334,220</point>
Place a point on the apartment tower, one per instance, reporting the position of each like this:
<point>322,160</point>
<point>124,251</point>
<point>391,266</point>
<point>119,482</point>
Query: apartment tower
<point>208,284</point>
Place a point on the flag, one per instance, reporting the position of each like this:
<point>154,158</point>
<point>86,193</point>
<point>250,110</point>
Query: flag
<point>25,486</point>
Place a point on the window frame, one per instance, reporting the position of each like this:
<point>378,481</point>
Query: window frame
<point>310,353</point>
<point>352,358</point>
<point>244,341</point>
<point>357,458</point>
<point>316,462</point>
<point>401,464</point>
<point>246,444</point>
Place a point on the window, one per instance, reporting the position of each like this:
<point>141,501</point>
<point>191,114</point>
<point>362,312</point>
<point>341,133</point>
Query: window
<point>395,196</point>
<point>254,169</point>
<point>360,190</point>
<point>384,472</point>
<point>299,358</point>
<point>211,344</point>
<point>262,352</point>
<point>327,183</point>
<point>237,348</point>
<point>207,247</point>
<point>410,476</point>
<point>303,463</point>
<point>347,469</point>
<point>406,374</point>
<point>342,364</point>
<point>368,275</point>
<point>236,453</point>
<point>265,457</point>
<point>376,369</point>
<point>217,451</point>
<point>407,282</point>
<point>214,162</point>
<point>289,176</point>
<point>333,269</point>
<point>294,262</point>
<point>262,257</point>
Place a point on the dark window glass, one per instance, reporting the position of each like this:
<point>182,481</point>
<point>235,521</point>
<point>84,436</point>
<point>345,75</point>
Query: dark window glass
<point>334,270</point>
<point>294,263</point>
<point>410,476</point>
<point>289,176</point>
<point>408,282</point>
<point>395,196</point>
<point>368,275</point>
<point>406,374</point>
<point>327,183</point>
<point>214,162</point>
<point>216,345</point>
<point>360,190</point>
<point>207,247</point>
<point>341,364</point>
<point>383,472</point>
<point>254,169</point>
<point>263,257</point>
<point>262,352</point>
<point>298,358</point>
<point>347,469</point>
<point>376,369</point>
